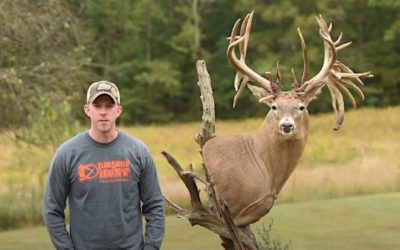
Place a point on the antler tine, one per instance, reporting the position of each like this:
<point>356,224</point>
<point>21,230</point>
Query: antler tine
<point>343,46</point>
<point>242,47</point>
<point>330,24</point>
<point>356,76</point>
<point>245,32</point>
<point>244,74</point>
<point>337,104</point>
<point>349,95</point>
<point>239,82</point>
<point>338,39</point>
<point>295,82</point>
<point>240,79</point>
<point>305,57</point>
<point>337,76</point>
<point>241,88</point>
<point>233,41</point>
<point>278,73</point>
<point>330,51</point>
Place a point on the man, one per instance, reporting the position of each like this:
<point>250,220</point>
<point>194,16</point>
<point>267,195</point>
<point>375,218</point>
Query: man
<point>110,181</point>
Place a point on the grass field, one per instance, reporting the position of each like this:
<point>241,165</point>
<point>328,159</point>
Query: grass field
<point>362,158</point>
<point>365,222</point>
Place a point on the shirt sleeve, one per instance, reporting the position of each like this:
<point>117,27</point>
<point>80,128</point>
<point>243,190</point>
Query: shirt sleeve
<point>152,205</point>
<point>56,193</point>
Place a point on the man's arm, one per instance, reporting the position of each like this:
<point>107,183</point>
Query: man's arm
<point>57,190</point>
<point>153,205</point>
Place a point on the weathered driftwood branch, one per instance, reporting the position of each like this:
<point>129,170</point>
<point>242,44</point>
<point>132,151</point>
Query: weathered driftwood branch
<point>207,100</point>
<point>199,215</point>
<point>216,217</point>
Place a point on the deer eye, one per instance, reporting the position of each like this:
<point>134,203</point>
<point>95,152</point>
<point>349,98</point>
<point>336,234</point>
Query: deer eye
<point>274,107</point>
<point>301,107</point>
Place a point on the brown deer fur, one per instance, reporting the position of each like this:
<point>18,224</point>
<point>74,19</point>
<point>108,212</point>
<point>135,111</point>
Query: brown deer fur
<point>249,171</point>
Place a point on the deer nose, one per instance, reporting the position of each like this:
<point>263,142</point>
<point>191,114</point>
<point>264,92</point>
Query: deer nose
<point>287,127</point>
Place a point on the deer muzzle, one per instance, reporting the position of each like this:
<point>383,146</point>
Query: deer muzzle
<point>286,126</point>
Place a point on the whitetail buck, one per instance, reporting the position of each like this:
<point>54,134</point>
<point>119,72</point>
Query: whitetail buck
<point>249,171</point>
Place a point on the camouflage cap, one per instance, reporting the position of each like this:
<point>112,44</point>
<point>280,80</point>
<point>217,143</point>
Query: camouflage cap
<point>103,88</point>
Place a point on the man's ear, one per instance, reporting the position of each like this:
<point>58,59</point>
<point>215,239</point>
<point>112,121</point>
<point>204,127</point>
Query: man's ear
<point>86,109</point>
<point>120,109</point>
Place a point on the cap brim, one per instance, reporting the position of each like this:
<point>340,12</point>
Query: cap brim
<point>103,93</point>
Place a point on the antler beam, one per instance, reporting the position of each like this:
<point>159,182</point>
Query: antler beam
<point>337,76</point>
<point>244,73</point>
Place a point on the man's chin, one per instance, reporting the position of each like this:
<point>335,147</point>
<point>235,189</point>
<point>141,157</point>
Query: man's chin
<point>104,129</point>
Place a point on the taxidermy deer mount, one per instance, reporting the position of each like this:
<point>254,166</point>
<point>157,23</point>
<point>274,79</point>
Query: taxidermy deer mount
<point>244,174</point>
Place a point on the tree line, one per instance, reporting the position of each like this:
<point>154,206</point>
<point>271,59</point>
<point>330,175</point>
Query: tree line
<point>51,50</point>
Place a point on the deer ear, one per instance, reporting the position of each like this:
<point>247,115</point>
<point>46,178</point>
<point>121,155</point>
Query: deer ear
<point>257,91</point>
<point>263,95</point>
<point>312,95</point>
<point>268,99</point>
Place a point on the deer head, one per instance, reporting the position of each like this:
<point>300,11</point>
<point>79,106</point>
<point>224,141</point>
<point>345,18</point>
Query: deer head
<point>291,105</point>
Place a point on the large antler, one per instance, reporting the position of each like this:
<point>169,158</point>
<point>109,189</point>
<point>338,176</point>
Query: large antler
<point>244,74</point>
<point>337,76</point>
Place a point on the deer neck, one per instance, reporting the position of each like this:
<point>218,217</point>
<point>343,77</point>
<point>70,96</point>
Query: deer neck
<point>278,152</point>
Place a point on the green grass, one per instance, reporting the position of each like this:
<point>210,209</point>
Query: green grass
<point>365,222</point>
<point>362,158</point>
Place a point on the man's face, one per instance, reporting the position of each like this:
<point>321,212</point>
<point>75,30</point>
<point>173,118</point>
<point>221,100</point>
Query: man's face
<point>103,113</point>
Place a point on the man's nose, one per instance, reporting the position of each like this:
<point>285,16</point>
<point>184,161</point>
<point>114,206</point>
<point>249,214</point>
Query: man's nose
<point>103,110</point>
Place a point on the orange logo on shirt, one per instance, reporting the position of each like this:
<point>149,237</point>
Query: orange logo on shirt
<point>87,172</point>
<point>107,171</point>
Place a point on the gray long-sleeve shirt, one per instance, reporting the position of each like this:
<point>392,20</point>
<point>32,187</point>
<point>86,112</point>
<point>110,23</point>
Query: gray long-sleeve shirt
<point>109,187</point>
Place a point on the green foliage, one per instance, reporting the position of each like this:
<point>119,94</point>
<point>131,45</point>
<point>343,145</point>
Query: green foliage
<point>50,124</point>
<point>41,66</point>
<point>267,242</point>
<point>55,49</point>
<point>144,99</point>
